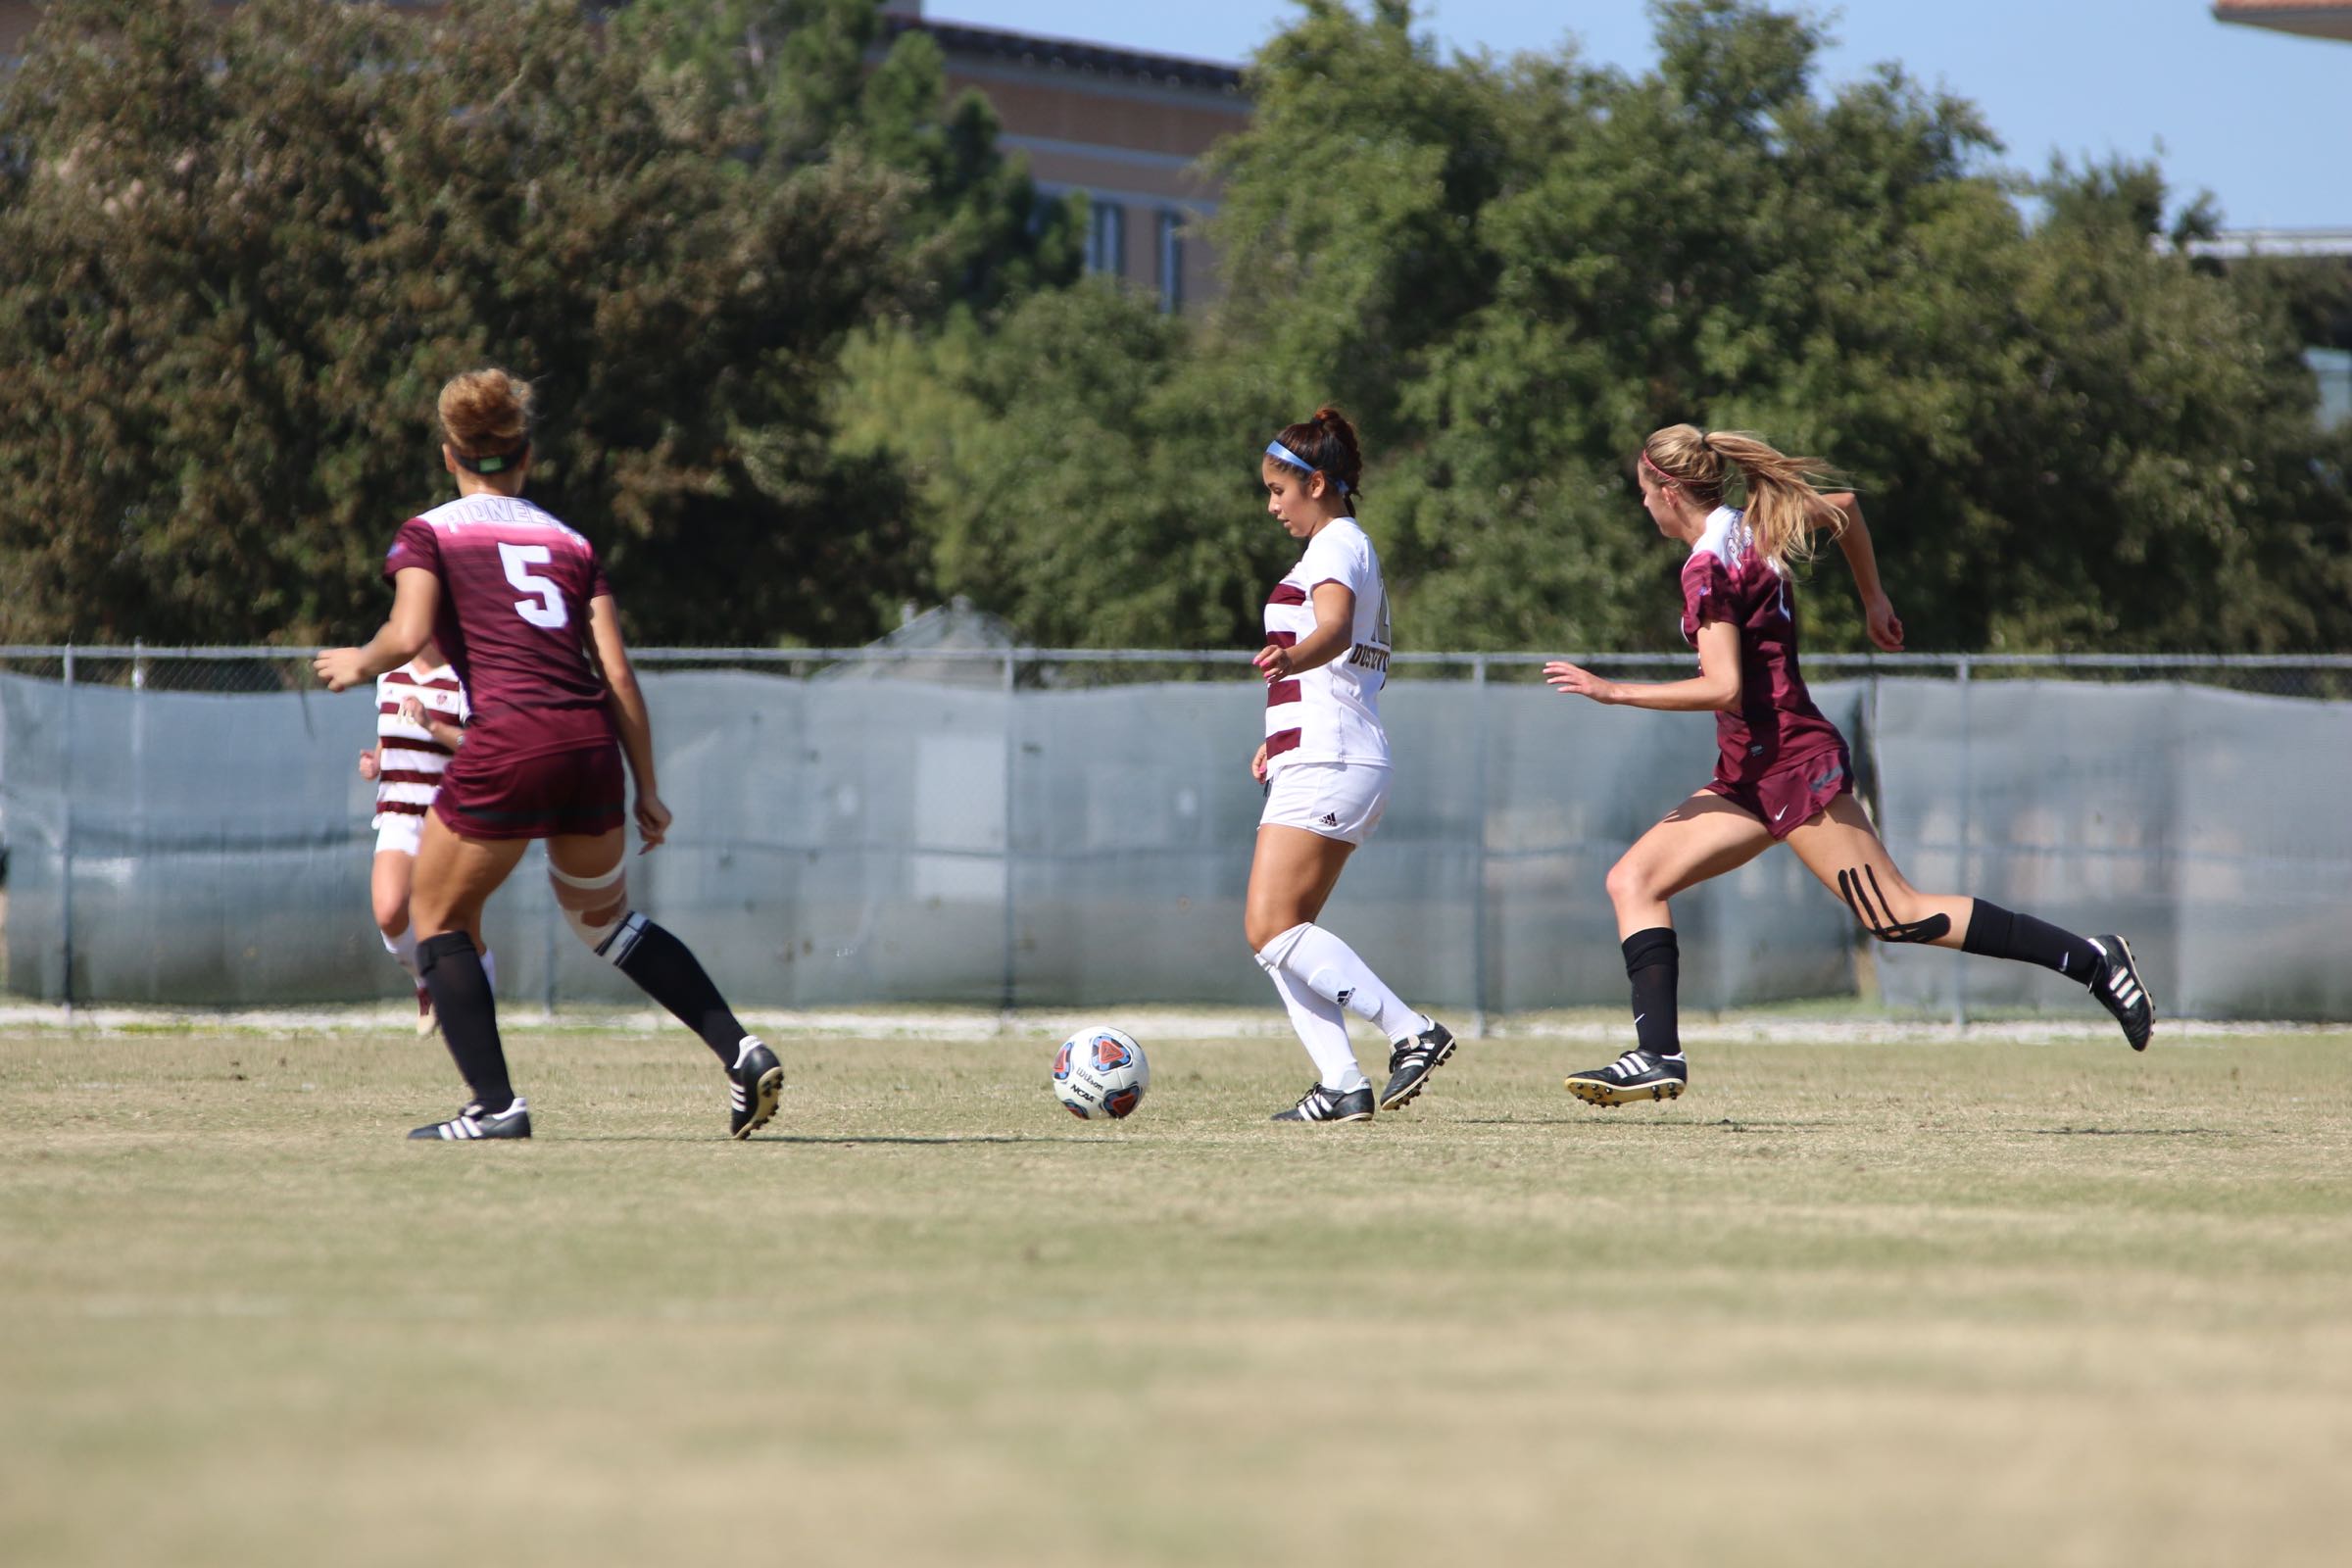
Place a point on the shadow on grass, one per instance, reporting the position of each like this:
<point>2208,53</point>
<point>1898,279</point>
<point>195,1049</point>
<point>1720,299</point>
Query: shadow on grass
<point>1645,1123</point>
<point>834,1140</point>
<point>2128,1132</point>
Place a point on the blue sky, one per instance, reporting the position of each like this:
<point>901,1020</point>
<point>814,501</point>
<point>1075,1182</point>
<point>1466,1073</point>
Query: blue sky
<point>2262,120</point>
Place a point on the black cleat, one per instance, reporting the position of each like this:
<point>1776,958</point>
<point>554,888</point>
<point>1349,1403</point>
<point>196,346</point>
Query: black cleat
<point>1635,1075</point>
<point>2118,986</point>
<point>752,1087</point>
<point>474,1122</point>
<point>1412,1061</point>
<point>1329,1105</point>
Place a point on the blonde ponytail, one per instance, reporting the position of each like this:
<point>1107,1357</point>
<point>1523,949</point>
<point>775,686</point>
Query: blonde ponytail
<point>1786,506</point>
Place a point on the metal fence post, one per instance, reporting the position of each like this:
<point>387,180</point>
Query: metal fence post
<point>1478,881</point>
<point>547,945</point>
<point>1967,785</point>
<point>64,837</point>
<point>1012,741</point>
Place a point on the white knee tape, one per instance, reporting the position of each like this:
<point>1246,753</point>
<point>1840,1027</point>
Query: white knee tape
<point>580,897</point>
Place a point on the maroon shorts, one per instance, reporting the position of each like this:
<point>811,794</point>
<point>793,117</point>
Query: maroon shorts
<point>486,797</point>
<point>1790,794</point>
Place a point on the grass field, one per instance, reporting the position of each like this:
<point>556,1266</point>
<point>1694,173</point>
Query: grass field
<point>1984,1303</point>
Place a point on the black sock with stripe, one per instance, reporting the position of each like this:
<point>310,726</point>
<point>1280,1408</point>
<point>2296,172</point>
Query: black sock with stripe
<point>1653,962</point>
<point>1997,933</point>
<point>453,973</point>
<point>666,970</point>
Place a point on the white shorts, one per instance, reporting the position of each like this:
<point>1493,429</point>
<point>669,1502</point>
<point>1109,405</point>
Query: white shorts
<point>1339,800</point>
<point>399,831</point>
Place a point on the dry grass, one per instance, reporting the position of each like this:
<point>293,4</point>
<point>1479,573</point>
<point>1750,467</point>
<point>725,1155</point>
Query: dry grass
<point>1846,1303</point>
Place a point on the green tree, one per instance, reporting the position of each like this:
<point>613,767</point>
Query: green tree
<point>245,251</point>
<point>1079,468</point>
<point>2068,435</point>
<point>818,77</point>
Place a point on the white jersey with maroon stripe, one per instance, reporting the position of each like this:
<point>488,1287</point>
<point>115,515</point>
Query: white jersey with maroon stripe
<point>409,762</point>
<point>1330,713</point>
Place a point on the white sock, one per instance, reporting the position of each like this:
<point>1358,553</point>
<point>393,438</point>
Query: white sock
<point>403,949</point>
<point>1332,971</point>
<point>1322,1028</point>
<point>489,970</point>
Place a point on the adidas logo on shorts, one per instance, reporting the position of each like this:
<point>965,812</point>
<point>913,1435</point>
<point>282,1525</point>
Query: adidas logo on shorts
<point>1331,819</point>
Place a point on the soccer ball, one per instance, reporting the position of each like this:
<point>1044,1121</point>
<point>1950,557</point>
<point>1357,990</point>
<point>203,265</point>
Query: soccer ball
<point>1100,1071</point>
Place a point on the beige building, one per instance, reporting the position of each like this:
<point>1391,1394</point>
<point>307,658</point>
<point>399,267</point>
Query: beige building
<point>2318,18</point>
<point>1127,129</point>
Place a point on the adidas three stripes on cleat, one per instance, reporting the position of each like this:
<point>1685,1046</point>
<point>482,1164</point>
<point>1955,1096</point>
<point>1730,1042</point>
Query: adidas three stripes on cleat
<point>1635,1075</point>
<point>474,1122</point>
<point>2119,988</point>
<point>752,1087</point>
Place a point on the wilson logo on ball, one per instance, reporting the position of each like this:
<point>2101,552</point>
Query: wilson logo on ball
<point>1109,1054</point>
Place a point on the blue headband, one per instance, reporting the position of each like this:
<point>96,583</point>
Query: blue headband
<point>1282,454</point>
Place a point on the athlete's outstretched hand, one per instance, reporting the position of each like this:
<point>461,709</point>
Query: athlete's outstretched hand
<point>340,667</point>
<point>653,821</point>
<point>368,767</point>
<point>1574,680</point>
<point>1885,627</point>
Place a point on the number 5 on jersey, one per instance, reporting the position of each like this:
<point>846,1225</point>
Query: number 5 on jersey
<point>546,606</point>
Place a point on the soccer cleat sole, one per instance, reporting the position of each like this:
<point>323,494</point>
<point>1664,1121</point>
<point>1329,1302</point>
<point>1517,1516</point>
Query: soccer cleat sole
<point>1611,1095</point>
<point>1322,1121</point>
<point>1412,1091</point>
<point>764,1096</point>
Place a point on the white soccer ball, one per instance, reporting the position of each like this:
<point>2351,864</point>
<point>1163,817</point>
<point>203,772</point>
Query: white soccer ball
<point>1100,1071</point>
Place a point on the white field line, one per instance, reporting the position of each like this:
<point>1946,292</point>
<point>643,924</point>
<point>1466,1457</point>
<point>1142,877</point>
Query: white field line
<point>1145,1023</point>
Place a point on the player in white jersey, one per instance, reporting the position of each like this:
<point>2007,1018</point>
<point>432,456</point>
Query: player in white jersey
<point>420,715</point>
<point>1325,765</point>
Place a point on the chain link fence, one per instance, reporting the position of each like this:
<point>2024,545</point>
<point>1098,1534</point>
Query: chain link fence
<point>1041,827</point>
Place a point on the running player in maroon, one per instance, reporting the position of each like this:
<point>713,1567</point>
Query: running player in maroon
<point>518,604</point>
<point>1783,772</point>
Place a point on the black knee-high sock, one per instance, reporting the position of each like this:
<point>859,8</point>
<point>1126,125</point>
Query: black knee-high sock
<point>1653,963</point>
<point>664,970</point>
<point>1997,933</point>
<point>453,972</point>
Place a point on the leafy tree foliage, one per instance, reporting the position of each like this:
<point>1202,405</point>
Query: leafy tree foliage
<point>2067,435</point>
<point>809,343</point>
<point>1076,468</point>
<point>245,251</point>
<point>807,73</point>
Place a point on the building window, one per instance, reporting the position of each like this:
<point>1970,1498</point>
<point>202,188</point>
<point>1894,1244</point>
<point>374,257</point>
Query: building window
<point>2334,368</point>
<point>1106,237</point>
<point>1171,259</point>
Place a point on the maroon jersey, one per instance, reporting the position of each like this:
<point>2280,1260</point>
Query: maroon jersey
<point>514,590</point>
<point>1726,578</point>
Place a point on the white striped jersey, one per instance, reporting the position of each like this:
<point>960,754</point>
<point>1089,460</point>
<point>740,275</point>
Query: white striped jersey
<point>1330,713</point>
<point>409,762</point>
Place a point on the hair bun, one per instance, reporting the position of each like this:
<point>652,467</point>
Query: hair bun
<point>486,411</point>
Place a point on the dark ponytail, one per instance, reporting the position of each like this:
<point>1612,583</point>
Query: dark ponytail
<point>1328,442</point>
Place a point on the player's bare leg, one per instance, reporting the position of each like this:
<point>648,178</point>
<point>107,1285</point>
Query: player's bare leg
<point>592,889</point>
<point>388,881</point>
<point>1841,847</point>
<point>1702,838</point>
